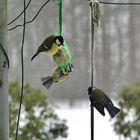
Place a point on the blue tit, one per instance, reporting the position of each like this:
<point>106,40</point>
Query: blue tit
<point>50,45</point>
<point>57,76</point>
<point>100,101</point>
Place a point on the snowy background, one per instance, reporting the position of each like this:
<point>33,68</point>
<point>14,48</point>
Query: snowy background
<point>78,120</point>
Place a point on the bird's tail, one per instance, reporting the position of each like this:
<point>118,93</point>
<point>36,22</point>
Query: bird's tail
<point>112,110</point>
<point>47,81</point>
<point>34,56</point>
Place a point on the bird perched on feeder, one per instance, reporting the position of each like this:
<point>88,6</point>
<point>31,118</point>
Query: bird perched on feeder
<point>100,101</point>
<point>57,76</point>
<point>62,57</point>
<point>50,45</point>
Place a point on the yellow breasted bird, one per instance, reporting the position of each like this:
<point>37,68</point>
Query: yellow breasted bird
<point>50,45</point>
<point>100,101</point>
<point>57,76</point>
<point>61,56</point>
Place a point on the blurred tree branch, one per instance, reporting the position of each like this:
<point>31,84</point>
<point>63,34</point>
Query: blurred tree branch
<point>38,119</point>
<point>127,123</point>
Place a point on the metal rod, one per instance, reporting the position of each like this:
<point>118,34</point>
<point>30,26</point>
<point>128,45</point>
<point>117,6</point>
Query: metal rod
<point>92,122</point>
<point>92,72</point>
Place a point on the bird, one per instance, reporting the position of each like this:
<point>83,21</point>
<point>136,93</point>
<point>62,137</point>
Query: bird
<point>50,45</point>
<point>58,75</point>
<point>100,101</point>
<point>62,57</point>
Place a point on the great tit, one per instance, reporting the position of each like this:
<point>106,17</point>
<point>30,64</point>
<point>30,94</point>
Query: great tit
<point>57,76</point>
<point>100,101</point>
<point>50,45</point>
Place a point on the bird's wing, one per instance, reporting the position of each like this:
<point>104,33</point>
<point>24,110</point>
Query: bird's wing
<point>47,43</point>
<point>100,108</point>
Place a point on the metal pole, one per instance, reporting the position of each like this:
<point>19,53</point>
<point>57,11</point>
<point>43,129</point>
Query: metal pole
<point>4,112</point>
<point>92,73</point>
<point>92,122</point>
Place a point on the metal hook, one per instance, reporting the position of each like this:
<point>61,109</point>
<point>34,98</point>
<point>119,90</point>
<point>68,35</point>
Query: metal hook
<point>92,2</point>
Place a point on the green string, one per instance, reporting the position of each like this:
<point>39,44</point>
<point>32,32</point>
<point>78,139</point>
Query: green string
<point>60,16</point>
<point>65,46</point>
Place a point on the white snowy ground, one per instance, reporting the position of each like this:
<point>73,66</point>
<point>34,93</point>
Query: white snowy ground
<point>78,120</point>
